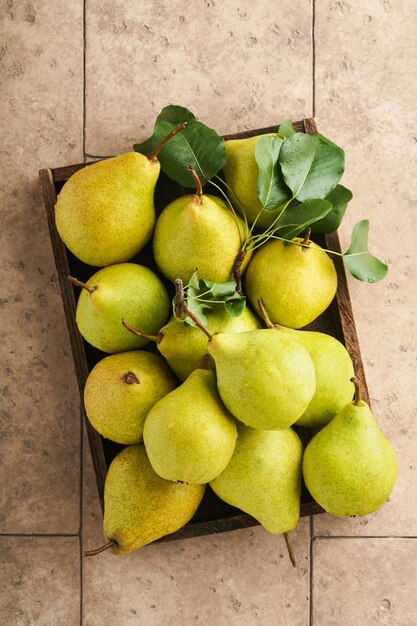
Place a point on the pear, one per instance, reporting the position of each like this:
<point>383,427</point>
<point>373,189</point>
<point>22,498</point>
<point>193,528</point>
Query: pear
<point>105,212</point>
<point>140,506</point>
<point>189,436</point>
<point>198,232</point>
<point>297,281</point>
<point>184,346</point>
<point>120,391</point>
<point>333,368</point>
<point>241,173</point>
<point>263,477</point>
<point>117,291</point>
<point>350,467</point>
<point>265,379</point>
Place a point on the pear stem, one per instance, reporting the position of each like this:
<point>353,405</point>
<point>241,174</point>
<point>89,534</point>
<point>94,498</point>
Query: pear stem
<point>181,309</point>
<point>198,323</point>
<point>154,154</point>
<point>79,283</point>
<point>306,240</point>
<point>358,400</point>
<point>237,271</point>
<point>131,379</point>
<point>101,548</point>
<point>196,180</point>
<point>290,550</point>
<point>156,338</point>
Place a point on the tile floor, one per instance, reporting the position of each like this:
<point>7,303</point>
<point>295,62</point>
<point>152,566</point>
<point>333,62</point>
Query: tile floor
<point>88,78</point>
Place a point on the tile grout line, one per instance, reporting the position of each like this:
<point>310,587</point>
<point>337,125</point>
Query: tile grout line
<point>84,78</point>
<point>310,602</point>
<point>313,57</point>
<point>365,537</point>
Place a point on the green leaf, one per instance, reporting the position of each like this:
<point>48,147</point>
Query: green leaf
<point>295,220</point>
<point>339,197</point>
<point>286,129</point>
<point>197,145</point>
<point>197,308</point>
<point>272,190</point>
<point>311,165</point>
<point>361,263</point>
<point>172,113</point>
<point>236,306</point>
<point>221,290</point>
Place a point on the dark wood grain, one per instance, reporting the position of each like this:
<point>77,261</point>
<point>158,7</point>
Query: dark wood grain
<point>213,515</point>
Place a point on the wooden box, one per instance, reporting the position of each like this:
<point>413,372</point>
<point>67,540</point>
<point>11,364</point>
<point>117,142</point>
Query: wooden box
<point>213,515</point>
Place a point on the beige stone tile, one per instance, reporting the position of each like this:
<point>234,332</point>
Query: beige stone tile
<point>40,581</point>
<point>237,578</point>
<point>237,65</point>
<point>41,105</point>
<point>366,102</point>
<point>364,581</point>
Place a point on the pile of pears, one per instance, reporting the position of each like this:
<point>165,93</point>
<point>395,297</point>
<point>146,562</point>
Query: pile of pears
<point>216,403</point>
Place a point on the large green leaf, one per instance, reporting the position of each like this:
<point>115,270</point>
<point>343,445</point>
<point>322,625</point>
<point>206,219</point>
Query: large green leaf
<point>361,263</point>
<point>296,219</point>
<point>311,165</point>
<point>172,113</point>
<point>272,190</point>
<point>339,197</point>
<point>196,145</point>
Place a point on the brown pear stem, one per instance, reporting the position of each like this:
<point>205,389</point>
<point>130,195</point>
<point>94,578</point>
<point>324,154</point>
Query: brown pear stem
<point>196,180</point>
<point>154,154</point>
<point>101,548</point>
<point>357,401</point>
<point>156,338</point>
<point>237,271</point>
<point>179,299</point>
<point>131,379</point>
<point>290,550</point>
<point>198,323</point>
<point>306,240</point>
<point>79,283</point>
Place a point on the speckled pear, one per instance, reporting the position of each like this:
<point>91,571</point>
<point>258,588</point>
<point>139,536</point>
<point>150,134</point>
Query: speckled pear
<point>266,379</point>
<point>105,212</point>
<point>189,435</point>
<point>241,173</point>
<point>123,290</point>
<point>120,391</point>
<point>296,282</point>
<point>200,232</point>
<point>140,506</point>
<point>350,467</point>
<point>263,477</point>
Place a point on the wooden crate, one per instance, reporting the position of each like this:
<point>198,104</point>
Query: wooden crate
<point>213,515</point>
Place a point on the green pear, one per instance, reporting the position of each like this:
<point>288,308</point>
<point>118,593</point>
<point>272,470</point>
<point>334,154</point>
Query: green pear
<point>350,467</point>
<point>120,391</point>
<point>184,346</point>
<point>333,368</point>
<point>263,477</point>
<point>117,291</point>
<point>265,379</point>
<point>140,506</point>
<point>189,436</point>
<point>296,282</point>
<point>198,232</point>
<point>241,173</point>
<point>105,212</point>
